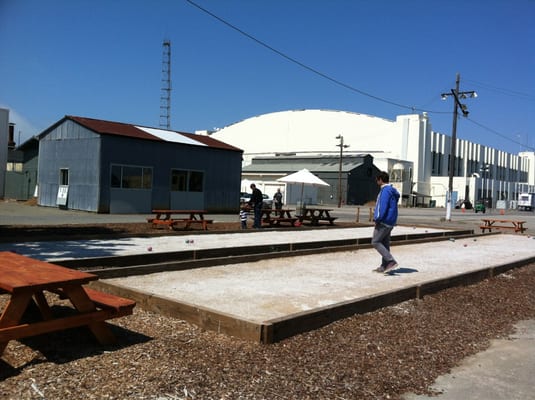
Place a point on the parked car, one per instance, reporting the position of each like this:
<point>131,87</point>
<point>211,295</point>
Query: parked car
<point>245,197</point>
<point>480,206</point>
<point>268,202</point>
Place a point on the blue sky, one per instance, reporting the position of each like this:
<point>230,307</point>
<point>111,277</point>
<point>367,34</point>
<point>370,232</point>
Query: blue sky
<point>103,59</point>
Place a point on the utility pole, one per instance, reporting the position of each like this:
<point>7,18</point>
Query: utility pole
<point>165,95</point>
<point>456,105</point>
<point>342,147</point>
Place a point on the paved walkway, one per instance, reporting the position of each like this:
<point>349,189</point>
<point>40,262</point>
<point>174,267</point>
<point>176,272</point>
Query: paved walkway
<point>502,372</point>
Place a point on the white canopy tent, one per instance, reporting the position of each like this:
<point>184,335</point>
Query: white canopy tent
<point>303,177</point>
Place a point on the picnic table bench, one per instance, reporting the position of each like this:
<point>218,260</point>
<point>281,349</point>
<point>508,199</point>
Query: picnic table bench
<point>26,280</point>
<point>186,217</point>
<point>316,215</point>
<point>275,217</point>
<point>499,224</point>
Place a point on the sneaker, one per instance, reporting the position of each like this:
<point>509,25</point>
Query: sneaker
<point>390,266</point>
<point>379,269</point>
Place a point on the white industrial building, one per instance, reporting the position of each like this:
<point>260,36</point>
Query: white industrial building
<point>416,157</point>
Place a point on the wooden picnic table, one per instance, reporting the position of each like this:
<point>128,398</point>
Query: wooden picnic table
<point>26,280</point>
<point>273,216</point>
<point>507,224</point>
<point>172,218</point>
<point>316,215</point>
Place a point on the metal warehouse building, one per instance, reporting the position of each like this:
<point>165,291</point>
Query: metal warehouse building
<point>357,172</point>
<point>407,148</point>
<point>111,167</point>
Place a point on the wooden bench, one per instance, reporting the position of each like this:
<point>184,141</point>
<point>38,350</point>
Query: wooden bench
<point>277,220</point>
<point>187,217</point>
<point>120,305</point>
<point>188,222</point>
<point>276,217</point>
<point>173,223</point>
<point>316,215</point>
<point>111,306</point>
<point>155,221</point>
<point>316,220</point>
<point>504,224</point>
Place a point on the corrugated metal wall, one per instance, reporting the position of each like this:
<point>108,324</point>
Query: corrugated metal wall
<point>72,147</point>
<point>221,169</point>
<point>89,157</point>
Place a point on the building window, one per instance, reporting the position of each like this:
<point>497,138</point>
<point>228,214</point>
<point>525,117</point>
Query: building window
<point>186,181</point>
<point>179,180</point>
<point>129,177</point>
<point>195,181</point>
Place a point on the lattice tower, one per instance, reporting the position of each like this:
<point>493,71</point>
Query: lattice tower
<point>165,94</point>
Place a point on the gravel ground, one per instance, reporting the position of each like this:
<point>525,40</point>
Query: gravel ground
<point>378,355</point>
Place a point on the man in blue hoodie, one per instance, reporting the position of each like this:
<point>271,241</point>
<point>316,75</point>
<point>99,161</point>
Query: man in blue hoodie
<point>385,217</point>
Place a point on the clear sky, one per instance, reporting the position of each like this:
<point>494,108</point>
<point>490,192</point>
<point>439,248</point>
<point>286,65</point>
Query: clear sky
<point>103,59</point>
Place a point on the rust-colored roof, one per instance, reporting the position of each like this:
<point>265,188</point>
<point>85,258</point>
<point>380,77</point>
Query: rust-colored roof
<point>123,129</point>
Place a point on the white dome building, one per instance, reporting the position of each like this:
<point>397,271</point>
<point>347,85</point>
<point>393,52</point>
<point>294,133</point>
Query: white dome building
<point>407,148</point>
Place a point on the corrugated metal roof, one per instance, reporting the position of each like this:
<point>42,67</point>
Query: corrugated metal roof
<point>139,132</point>
<point>316,163</point>
<point>292,167</point>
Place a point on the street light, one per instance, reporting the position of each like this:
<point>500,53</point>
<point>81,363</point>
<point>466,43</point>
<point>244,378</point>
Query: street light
<point>456,105</point>
<point>342,147</point>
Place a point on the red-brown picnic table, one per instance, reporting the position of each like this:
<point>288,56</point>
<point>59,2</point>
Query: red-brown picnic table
<point>26,280</point>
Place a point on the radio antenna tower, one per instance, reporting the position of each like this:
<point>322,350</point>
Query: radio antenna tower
<point>165,94</point>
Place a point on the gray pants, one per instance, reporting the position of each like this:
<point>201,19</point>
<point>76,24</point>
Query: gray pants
<point>381,242</point>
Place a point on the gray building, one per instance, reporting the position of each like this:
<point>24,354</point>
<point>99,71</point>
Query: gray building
<point>353,178</point>
<point>21,174</point>
<point>112,167</point>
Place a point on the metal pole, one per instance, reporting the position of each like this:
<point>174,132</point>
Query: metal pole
<point>453,149</point>
<point>340,172</point>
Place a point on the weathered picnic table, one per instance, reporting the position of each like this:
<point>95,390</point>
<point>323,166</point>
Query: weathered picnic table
<point>507,224</point>
<point>26,280</point>
<point>275,217</point>
<point>316,215</point>
<point>172,218</point>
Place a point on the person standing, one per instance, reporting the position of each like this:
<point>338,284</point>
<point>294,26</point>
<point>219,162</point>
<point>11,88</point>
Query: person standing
<point>277,200</point>
<point>256,202</point>
<point>244,214</point>
<point>385,217</point>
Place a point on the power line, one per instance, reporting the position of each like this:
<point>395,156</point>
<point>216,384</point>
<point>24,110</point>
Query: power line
<point>352,88</point>
<point>508,92</point>
<point>499,134</point>
<point>308,68</point>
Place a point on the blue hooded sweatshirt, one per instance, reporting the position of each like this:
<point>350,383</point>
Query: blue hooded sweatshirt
<point>386,208</point>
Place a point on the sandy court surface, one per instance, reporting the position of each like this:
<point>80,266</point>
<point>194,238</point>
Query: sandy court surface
<point>264,290</point>
<point>62,250</point>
